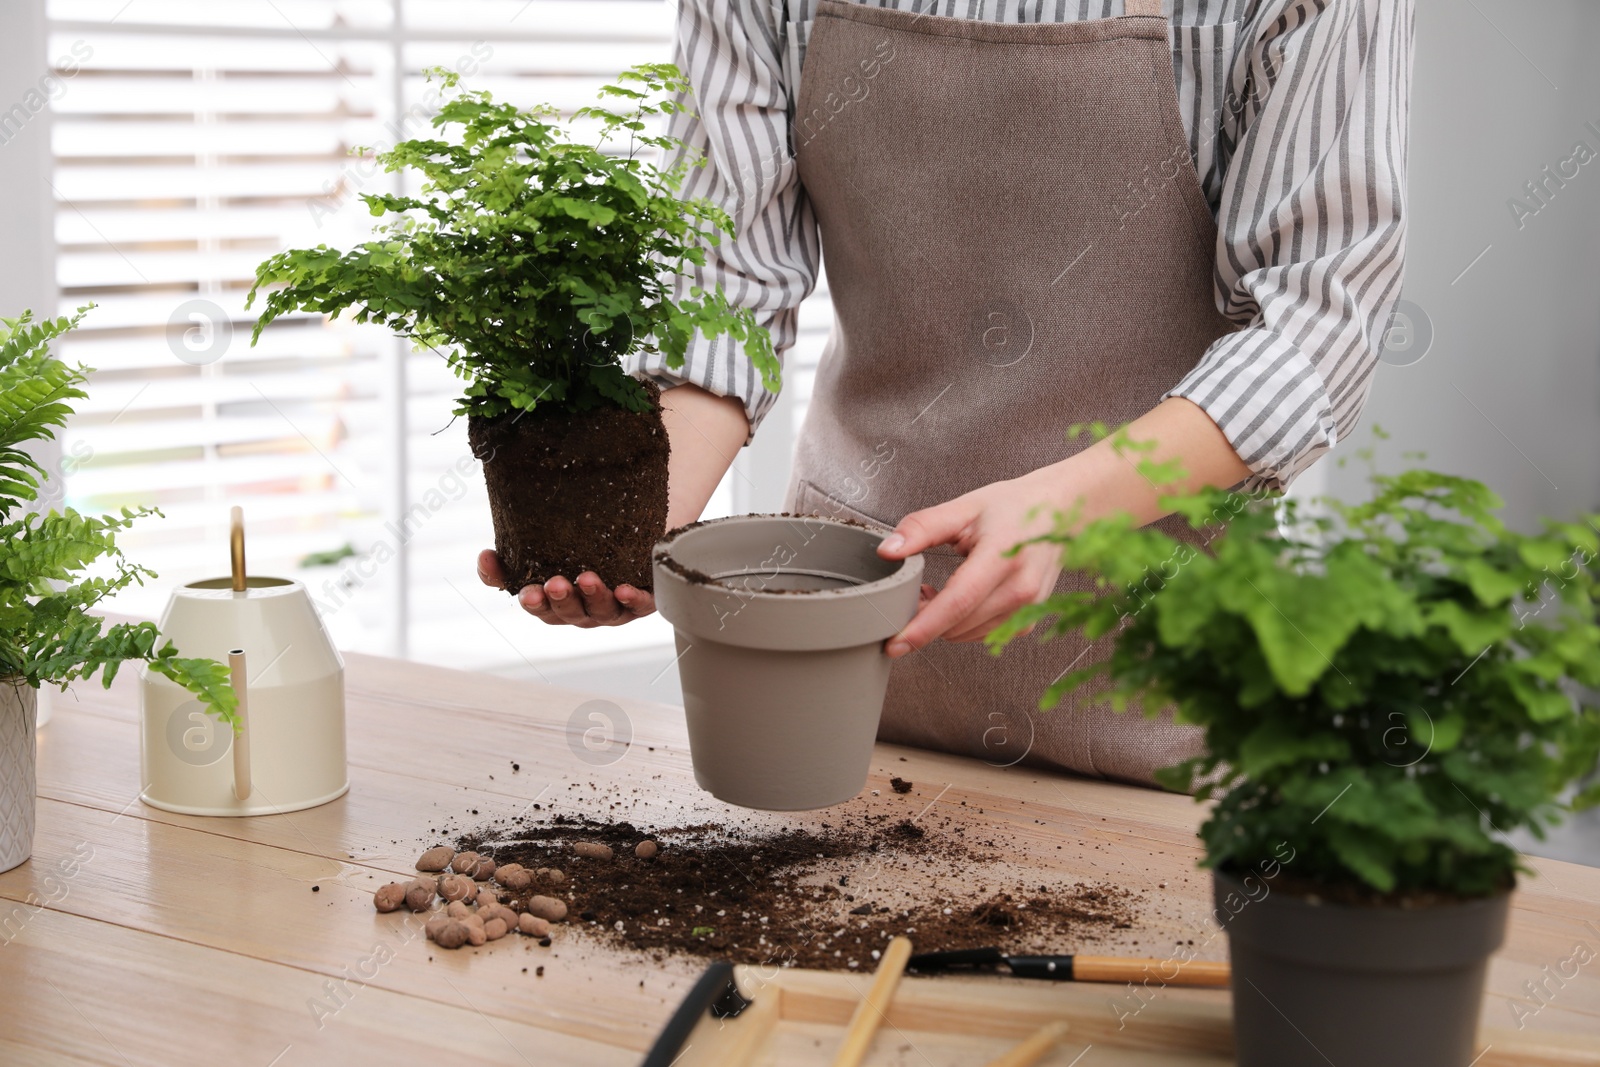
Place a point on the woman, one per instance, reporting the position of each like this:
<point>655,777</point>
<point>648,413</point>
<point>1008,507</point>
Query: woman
<point>1190,222</point>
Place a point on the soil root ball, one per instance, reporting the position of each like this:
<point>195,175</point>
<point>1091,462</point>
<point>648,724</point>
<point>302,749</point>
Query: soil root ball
<point>436,859</point>
<point>548,471</point>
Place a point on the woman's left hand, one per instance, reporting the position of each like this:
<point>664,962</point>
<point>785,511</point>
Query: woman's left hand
<point>990,585</point>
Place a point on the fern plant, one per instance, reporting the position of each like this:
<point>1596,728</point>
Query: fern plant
<point>1391,686</point>
<point>532,261</point>
<point>47,634</point>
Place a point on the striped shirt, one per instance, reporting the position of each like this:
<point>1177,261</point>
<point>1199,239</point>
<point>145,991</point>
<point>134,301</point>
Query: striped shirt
<point>1296,113</point>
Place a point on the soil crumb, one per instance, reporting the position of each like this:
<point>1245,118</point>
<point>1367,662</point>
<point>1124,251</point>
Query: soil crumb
<point>828,899</point>
<point>900,785</point>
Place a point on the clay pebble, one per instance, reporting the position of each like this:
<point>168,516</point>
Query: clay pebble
<point>495,929</point>
<point>436,859</point>
<point>645,850</point>
<point>389,897</point>
<point>465,863</point>
<point>419,895</point>
<point>455,887</point>
<point>532,925</point>
<point>592,850</point>
<point>548,908</point>
<point>453,934</point>
<point>484,870</point>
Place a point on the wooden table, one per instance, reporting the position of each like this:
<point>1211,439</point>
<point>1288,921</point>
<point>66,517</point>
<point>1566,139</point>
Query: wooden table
<point>167,939</point>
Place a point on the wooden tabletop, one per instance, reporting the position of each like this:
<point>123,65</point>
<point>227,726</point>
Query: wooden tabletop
<point>135,936</point>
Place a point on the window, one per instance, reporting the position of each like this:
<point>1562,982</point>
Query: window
<point>194,139</point>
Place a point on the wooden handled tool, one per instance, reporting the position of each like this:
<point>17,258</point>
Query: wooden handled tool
<point>1076,968</point>
<point>869,1013</point>
<point>236,547</point>
<point>1126,969</point>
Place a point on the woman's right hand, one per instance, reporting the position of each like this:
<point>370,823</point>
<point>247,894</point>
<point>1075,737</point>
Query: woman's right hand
<point>586,603</point>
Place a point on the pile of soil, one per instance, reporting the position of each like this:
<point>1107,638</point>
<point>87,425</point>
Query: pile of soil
<point>574,492</point>
<point>828,899</point>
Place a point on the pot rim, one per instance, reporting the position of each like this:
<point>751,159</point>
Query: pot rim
<point>909,568</point>
<point>1236,878</point>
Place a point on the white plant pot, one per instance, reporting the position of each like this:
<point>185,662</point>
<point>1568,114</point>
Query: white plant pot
<point>18,779</point>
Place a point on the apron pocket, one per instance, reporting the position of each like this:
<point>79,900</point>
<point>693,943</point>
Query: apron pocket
<point>810,500</point>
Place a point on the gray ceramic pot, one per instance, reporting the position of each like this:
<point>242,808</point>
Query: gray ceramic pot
<point>1318,983</point>
<point>780,626</point>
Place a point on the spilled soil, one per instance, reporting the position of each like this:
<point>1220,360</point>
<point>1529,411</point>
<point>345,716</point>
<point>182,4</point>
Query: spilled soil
<point>829,898</point>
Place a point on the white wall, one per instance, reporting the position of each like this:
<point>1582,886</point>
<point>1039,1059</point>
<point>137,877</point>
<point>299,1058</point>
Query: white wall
<point>1502,89</point>
<point>27,265</point>
<point>27,246</point>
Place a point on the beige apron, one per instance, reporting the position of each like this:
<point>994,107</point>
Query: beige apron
<point>1016,241</point>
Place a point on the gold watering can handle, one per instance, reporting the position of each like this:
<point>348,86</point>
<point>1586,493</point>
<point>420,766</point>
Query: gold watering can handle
<point>241,740</point>
<point>236,546</point>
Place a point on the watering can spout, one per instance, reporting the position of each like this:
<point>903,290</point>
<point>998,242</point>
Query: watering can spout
<point>241,741</point>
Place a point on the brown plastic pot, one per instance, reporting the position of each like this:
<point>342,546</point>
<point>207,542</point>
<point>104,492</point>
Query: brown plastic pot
<point>1319,983</point>
<point>780,626</point>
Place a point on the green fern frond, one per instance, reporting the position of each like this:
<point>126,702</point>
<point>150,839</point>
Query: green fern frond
<point>35,394</point>
<point>47,635</point>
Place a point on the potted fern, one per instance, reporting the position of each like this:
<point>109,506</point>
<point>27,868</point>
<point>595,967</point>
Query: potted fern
<point>47,634</point>
<point>534,264</point>
<point>1387,689</point>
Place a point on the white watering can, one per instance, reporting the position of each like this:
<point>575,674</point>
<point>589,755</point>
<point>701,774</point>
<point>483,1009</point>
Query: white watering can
<point>290,751</point>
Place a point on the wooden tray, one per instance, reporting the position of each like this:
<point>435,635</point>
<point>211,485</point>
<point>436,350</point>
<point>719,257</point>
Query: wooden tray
<point>797,1017</point>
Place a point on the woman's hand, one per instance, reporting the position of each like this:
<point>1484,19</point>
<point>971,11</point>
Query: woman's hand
<point>586,603</point>
<point>985,523</point>
<point>985,590</point>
